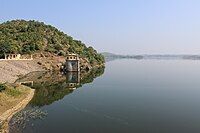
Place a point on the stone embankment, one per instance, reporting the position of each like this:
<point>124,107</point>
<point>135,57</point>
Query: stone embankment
<point>11,70</point>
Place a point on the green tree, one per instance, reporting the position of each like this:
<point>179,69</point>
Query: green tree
<point>5,48</point>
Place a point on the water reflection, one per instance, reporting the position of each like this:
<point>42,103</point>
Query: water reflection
<point>154,96</point>
<point>49,87</point>
<point>72,80</point>
<point>53,86</point>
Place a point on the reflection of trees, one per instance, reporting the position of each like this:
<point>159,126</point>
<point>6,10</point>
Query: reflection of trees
<point>90,76</point>
<point>46,94</point>
<point>53,86</point>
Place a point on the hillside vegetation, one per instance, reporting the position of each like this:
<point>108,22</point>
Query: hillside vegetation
<point>25,37</point>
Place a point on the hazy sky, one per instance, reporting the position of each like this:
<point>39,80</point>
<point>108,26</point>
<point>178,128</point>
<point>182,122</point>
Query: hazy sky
<point>119,26</point>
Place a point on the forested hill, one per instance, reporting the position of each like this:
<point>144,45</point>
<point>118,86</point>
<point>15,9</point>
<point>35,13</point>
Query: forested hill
<point>20,36</point>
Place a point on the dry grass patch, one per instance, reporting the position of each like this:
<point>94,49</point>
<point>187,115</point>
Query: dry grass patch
<point>11,95</point>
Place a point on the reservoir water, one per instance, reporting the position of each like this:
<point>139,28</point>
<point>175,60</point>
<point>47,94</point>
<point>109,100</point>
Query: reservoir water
<point>129,96</point>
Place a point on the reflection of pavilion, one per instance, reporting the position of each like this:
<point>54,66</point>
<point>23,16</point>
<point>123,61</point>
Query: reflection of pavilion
<point>52,86</point>
<point>72,80</point>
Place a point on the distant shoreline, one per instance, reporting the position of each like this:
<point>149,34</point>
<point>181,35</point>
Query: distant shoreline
<point>111,56</point>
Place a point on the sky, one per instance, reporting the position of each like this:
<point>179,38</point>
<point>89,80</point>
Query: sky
<point>118,26</point>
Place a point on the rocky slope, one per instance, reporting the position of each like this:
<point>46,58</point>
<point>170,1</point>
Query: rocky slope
<point>12,70</point>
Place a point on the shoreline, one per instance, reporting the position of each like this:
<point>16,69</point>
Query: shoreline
<point>12,71</point>
<point>6,116</point>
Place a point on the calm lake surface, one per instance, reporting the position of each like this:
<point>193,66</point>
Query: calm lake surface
<point>129,96</point>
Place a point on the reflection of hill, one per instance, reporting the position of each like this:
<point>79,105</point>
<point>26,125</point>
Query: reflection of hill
<point>90,76</point>
<point>53,86</point>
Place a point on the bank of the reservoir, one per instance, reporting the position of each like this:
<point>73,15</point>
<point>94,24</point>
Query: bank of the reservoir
<point>11,70</point>
<point>13,99</point>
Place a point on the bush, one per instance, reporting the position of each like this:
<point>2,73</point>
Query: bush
<point>58,47</point>
<point>61,53</point>
<point>2,87</point>
<point>13,92</point>
<point>5,48</point>
<point>26,49</point>
<point>10,89</point>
